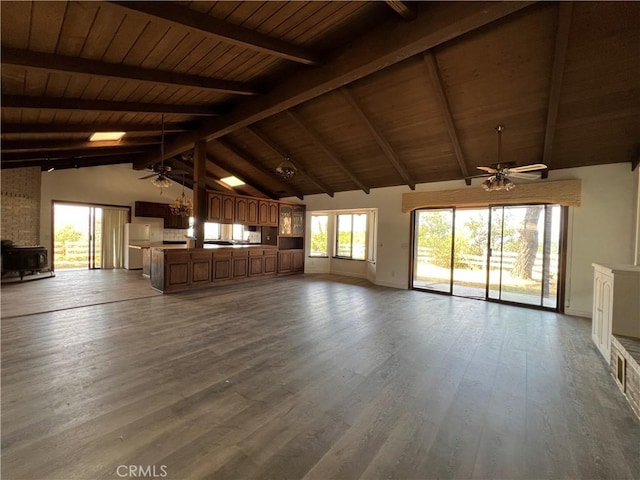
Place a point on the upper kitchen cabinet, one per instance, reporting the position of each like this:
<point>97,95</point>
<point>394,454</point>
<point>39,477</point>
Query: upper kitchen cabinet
<point>246,211</point>
<point>161,210</point>
<point>150,209</point>
<point>268,213</point>
<point>291,220</point>
<point>221,208</point>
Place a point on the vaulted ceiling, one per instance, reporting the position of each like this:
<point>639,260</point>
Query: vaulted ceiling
<point>358,95</point>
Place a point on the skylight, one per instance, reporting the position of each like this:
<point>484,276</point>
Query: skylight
<point>232,181</point>
<point>106,136</point>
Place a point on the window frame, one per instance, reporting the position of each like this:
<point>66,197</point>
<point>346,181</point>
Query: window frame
<point>326,240</point>
<point>352,213</point>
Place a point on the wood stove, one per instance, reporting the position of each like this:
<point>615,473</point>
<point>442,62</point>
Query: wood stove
<point>23,259</point>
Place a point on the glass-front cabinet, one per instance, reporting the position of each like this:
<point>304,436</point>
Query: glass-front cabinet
<point>291,220</point>
<point>286,220</point>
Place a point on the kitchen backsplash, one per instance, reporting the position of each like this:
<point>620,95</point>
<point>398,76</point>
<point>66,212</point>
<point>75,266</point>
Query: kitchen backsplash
<point>173,235</point>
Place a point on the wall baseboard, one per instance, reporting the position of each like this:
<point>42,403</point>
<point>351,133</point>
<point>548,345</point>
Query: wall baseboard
<point>578,313</point>
<point>392,285</point>
<point>349,274</point>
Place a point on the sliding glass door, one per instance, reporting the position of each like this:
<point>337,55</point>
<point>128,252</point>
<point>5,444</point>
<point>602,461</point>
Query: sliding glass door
<point>524,254</point>
<point>433,250</point>
<point>503,253</point>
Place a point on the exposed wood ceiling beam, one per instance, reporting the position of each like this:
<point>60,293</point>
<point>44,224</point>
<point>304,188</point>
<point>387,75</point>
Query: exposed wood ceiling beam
<point>67,163</point>
<point>212,182</point>
<point>406,10</point>
<point>386,45</point>
<point>257,164</point>
<point>436,80</point>
<point>269,143</point>
<point>83,66</point>
<point>221,30</point>
<point>380,140</point>
<point>565,11</point>
<point>320,143</point>
<point>31,128</point>
<point>69,145</point>
<point>17,101</point>
<point>236,173</point>
<point>134,151</point>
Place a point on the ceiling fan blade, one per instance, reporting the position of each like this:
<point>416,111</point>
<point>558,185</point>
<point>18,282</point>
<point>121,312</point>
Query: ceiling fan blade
<point>148,176</point>
<point>487,169</point>
<point>527,168</point>
<point>484,175</point>
<point>526,176</point>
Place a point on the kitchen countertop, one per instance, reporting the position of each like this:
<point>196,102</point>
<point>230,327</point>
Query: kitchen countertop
<point>160,246</point>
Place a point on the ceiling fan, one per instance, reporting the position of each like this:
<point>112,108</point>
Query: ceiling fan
<point>499,173</point>
<point>162,174</point>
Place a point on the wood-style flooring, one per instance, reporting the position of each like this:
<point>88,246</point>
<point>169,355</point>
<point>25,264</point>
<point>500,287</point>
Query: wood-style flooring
<point>315,377</point>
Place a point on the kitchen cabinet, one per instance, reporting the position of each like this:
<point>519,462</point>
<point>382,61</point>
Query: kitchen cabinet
<point>221,208</point>
<point>161,210</point>
<point>297,220</point>
<point>252,211</point>
<point>222,266</point>
<point>201,267</point>
<point>270,262</point>
<point>268,213</point>
<point>241,212</point>
<point>214,207</point>
<point>615,306</point>
<point>256,262</point>
<point>284,224</point>
<point>146,262</point>
<point>175,221</point>
<point>228,209</point>
<point>150,209</point>
<point>177,270</point>
<point>291,220</point>
<point>240,264</point>
<point>284,262</point>
<point>297,260</point>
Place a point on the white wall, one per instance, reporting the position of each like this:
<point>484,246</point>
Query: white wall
<point>601,230</point>
<point>109,185</point>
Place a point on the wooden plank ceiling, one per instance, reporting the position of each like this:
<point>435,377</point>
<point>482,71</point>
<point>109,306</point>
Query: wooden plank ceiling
<point>358,95</point>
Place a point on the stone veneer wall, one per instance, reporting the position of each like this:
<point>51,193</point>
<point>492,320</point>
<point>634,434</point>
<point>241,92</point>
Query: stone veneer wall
<point>20,220</point>
<point>630,350</point>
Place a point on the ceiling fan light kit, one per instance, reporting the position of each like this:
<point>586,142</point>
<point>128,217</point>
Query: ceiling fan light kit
<point>286,169</point>
<point>499,172</point>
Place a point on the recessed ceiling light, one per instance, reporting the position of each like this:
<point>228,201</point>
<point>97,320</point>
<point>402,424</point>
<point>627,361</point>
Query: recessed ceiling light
<point>105,136</point>
<point>232,181</point>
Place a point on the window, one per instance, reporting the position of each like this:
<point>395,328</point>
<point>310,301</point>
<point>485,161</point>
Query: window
<point>211,231</point>
<point>351,236</point>
<point>319,236</point>
<point>237,232</point>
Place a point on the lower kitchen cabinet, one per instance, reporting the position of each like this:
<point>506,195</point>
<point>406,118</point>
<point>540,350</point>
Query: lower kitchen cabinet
<point>270,263</point>
<point>200,268</point>
<point>174,270</point>
<point>240,261</point>
<point>221,266</point>
<point>177,270</point>
<point>256,262</point>
<point>290,261</point>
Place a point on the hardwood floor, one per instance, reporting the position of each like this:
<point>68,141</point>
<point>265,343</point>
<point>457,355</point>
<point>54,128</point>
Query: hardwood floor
<point>316,377</point>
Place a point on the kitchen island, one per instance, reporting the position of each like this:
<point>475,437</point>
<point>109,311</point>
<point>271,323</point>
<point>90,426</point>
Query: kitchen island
<point>174,268</point>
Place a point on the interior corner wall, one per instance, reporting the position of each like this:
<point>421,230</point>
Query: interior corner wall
<point>637,217</point>
<point>20,211</point>
<point>104,185</point>
<point>601,230</point>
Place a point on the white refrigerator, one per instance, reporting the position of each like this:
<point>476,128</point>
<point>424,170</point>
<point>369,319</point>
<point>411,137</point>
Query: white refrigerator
<point>135,234</point>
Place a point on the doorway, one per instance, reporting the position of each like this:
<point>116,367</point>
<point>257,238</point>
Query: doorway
<point>508,254</point>
<point>88,236</point>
